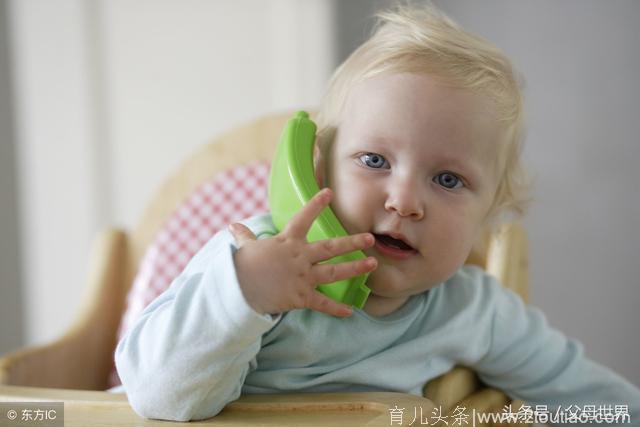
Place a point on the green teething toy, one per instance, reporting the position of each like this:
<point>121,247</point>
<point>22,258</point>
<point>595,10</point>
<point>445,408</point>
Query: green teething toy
<point>292,184</point>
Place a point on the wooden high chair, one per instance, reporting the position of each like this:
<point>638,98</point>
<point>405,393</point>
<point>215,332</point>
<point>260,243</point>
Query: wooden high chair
<point>82,359</point>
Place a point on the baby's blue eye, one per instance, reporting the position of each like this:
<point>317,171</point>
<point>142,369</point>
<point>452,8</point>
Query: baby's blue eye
<point>448,180</point>
<point>374,160</point>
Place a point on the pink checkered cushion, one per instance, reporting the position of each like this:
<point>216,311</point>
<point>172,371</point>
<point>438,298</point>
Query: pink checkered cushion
<point>229,196</point>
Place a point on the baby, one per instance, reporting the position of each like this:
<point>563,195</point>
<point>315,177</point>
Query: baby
<point>418,150</point>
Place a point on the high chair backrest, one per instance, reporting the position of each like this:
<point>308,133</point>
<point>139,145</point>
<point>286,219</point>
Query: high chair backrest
<point>226,181</point>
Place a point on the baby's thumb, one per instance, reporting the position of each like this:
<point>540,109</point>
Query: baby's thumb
<point>241,233</point>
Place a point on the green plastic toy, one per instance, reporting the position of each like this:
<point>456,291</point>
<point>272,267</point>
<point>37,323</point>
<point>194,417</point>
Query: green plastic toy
<point>292,184</point>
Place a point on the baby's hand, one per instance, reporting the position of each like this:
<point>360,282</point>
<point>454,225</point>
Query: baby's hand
<point>281,273</point>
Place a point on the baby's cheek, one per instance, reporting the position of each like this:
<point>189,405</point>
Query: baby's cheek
<point>348,207</point>
<point>345,213</point>
<point>454,240</point>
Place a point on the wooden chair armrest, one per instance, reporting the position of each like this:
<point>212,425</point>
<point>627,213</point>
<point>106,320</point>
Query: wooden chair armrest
<point>491,401</point>
<point>82,357</point>
<point>460,388</point>
<point>486,400</point>
<point>450,388</point>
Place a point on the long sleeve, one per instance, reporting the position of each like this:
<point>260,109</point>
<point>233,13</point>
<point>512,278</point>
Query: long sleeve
<point>190,351</point>
<point>538,364</point>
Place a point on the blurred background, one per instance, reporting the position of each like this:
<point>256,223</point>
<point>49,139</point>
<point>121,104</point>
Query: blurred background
<point>101,99</point>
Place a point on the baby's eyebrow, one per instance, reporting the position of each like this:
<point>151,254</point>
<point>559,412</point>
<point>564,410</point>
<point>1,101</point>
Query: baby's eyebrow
<point>377,141</point>
<point>374,144</point>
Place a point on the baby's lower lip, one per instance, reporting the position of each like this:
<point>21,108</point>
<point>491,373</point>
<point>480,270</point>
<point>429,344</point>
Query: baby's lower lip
<point>394,253</point>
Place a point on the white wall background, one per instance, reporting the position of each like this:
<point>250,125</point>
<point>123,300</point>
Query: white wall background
<point>111,95</point>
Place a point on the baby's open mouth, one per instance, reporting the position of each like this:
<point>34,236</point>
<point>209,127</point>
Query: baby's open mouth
<point>393,243</point>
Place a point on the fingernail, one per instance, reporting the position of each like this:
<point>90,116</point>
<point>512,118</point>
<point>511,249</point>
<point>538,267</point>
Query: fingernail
<point>347,310</point>
<point>372,262</point>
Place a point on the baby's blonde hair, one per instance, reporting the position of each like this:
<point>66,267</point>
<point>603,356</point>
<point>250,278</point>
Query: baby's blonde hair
<point>421,39</point>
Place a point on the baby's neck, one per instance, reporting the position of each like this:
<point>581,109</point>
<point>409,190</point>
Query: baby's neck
<point>378,306</point>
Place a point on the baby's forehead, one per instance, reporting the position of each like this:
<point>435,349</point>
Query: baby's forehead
<point>399,112</point>
<point>412,95</point>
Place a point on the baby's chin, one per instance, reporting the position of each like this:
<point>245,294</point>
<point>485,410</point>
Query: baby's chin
<point>387,282</point>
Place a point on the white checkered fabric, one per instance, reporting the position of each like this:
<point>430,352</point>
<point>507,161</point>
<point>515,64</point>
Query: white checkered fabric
<point>228,197</point>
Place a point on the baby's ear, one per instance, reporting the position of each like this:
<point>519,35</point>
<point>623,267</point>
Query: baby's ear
<point>319,163</point>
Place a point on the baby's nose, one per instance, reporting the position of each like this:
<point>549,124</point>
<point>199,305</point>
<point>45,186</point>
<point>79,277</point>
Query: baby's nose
<point>404,200</point>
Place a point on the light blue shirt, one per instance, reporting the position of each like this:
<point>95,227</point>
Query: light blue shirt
<point>199,345</point>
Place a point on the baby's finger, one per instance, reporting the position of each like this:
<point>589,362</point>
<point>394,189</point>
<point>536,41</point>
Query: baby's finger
<point>330,272</point>
<point>241,233</point>
<point>326,249</point>
<point>301,222</point>
<point>319,302</point>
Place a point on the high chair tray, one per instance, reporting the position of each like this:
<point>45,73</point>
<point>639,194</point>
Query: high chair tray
<point>83,408</point>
